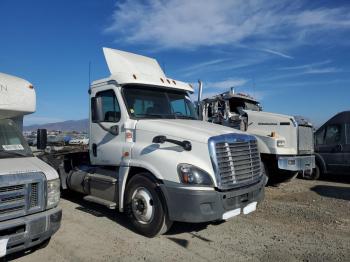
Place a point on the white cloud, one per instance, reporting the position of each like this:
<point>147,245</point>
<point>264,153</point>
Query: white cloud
<point>202,65</point>
<point>306,66</point>
<point>272,26</point>
<point>277,53</point>
<point>313,68</point>
<point>324,70</point>
<point>225,84</point>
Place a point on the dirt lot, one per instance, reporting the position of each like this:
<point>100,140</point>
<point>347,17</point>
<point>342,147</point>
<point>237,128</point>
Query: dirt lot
<point>300,220</point>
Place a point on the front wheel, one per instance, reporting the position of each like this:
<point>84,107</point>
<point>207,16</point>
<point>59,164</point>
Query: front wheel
<point>315,174</point>
<point>145,207</point>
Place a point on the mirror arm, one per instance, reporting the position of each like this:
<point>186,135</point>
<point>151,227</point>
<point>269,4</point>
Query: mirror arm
<point>109,129</point>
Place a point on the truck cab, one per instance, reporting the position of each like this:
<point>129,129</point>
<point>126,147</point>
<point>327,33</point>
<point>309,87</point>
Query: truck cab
<point>29,188</point>
<point>150,157</point>
<point>285,142</point>
<point>332,146</point>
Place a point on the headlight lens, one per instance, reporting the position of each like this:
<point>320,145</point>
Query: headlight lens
<point>53,193</point>
<point>192,175</point>
<point>281,143</point>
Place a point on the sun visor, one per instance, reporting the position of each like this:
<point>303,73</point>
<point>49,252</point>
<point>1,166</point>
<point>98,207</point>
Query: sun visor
<point>121,63</point>
<point>127,68</point>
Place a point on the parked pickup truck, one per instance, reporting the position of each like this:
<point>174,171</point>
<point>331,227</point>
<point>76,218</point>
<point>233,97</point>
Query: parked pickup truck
<point>29,188</point>
<point>150,157</point>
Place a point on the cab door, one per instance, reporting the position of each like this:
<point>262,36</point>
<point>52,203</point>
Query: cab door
<point>332,148</point>
<point>106,135</point>
<point>346,150</point>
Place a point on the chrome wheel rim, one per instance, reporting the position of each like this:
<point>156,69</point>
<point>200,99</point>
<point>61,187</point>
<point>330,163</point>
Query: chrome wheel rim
<point>142,205</point>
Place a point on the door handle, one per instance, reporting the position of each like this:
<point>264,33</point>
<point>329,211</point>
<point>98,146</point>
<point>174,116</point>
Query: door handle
<point>339,148</point>
<point>94,150</point>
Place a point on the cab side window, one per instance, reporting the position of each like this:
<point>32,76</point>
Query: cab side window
<point>333,134</point>
<point>320,136</point>
<point>348,133</point>
<point>107,104</point>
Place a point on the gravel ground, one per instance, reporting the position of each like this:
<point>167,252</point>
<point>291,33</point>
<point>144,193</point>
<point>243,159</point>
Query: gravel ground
<point>298,221</point>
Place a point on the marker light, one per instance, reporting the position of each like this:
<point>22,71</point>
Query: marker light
<point>281,143</point>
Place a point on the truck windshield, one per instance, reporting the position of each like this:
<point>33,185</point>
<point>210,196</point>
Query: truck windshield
<point>12,143</point>
<point>236,104</point>
<point>152,102</point>
<point>252,106</point>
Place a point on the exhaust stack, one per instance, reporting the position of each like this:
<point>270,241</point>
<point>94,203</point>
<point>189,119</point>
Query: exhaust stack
<point>200,89</point>
<point>199,101</point>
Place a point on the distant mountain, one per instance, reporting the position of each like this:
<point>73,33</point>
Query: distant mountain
<point>69,125</point>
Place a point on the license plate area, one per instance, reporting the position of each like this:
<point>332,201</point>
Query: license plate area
<point>3,246</point>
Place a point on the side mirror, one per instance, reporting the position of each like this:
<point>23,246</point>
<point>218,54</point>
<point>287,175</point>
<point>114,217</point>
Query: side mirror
<point>114,130</point>
<point>41,139</point>
<point>96,110</point>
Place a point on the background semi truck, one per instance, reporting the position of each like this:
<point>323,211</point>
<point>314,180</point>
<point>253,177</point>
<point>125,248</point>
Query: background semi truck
<point>285,142</point>
<point>29,188</point>
<point>150,157</point>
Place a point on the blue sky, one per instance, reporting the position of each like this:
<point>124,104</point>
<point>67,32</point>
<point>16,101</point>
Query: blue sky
<point>292,55</point>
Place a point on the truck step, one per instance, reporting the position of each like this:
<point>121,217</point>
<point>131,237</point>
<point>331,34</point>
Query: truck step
<point>106,203</point>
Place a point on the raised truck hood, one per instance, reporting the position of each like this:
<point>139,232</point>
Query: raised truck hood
<point>192,130</point>
<point>266,116</point>
<point>26,165</point>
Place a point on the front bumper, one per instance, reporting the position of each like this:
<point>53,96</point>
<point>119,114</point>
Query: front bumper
<point>25,232</point>
<point>296,163</point>
<point>195,206</point>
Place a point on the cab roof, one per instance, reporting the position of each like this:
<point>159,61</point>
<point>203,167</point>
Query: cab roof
<point>129,68</point>
<point>228,95</point>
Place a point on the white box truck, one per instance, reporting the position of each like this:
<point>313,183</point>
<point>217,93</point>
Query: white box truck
<point>29,188</point>
<point>285,142</point>
<point>150,157</point>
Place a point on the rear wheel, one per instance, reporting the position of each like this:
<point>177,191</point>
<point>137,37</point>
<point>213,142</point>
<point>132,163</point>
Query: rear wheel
<point>145,206</point>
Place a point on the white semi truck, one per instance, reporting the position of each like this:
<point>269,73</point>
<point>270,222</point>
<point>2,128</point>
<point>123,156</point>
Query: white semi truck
<point>285,142</point>
<point>150,157</point>
<point>29,188</point>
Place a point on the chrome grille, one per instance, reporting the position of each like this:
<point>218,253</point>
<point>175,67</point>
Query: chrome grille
<point>305,140</point>
<point>11,188</point>
<point>21,194</point>
<point>236,161</point>
<point>12,200</point>
<point>34,198</point>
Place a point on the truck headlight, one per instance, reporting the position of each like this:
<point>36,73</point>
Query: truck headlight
<point>281,143</point>
<point>53,193</point>
<point>192,175</point>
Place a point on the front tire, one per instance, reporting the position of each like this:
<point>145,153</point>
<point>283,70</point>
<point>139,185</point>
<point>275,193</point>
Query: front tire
<point>315,174</point>
<point>145,207</point>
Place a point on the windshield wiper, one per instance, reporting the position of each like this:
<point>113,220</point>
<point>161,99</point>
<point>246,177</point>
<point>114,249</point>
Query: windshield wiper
<point>13,153</point>
<point>184,117</point>
<point>153,115</point>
